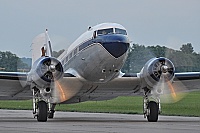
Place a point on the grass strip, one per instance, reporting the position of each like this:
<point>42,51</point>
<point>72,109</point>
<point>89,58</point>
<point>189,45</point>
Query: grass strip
<point>188,106</point>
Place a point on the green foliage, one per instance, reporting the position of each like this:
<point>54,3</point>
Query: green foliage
<point>8,61</point>
<point>5,61</point>
<point>137,57</point>
<point>27,61</point>
<point>11,62</point>
<point>185,59</point>
<point>187,48</point>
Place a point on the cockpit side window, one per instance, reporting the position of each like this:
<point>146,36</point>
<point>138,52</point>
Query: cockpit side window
<point>94,34</point>
<point>120,31</point>
<point>105,31</point>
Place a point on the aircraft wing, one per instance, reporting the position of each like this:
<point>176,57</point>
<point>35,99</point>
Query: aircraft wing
<point>12,86</point>
<point>129,85</point>
<point>191,80</point>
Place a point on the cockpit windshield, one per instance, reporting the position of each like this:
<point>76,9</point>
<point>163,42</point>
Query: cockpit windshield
<point>105,31</point>
<point>109,31</point>
<point>120,31</point>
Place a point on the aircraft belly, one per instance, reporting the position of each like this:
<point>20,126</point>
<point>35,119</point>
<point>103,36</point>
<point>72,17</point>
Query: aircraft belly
<point>126,86</point>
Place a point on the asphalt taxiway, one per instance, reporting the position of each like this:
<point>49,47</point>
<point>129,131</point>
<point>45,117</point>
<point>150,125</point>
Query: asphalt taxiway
<point>74,122</point>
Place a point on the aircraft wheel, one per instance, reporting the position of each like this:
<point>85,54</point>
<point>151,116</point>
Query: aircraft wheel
<point>153,112</point>
<point>42,111</point>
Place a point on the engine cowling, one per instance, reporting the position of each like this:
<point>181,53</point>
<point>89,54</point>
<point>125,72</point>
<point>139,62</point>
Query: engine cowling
<point>46,70</point>
<point>155,70</point>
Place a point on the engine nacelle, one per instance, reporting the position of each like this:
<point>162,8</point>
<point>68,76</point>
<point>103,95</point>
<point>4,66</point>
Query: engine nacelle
<point>155,70</point>
<point>45,71</point>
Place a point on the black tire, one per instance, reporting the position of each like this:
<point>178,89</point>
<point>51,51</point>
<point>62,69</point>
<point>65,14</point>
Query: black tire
<point>42,111</point>
<point>153,112</point>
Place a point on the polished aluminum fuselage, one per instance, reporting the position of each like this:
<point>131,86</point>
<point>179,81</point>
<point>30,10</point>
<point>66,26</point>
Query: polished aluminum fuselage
<point>96,64</point>
<point>98,58</point>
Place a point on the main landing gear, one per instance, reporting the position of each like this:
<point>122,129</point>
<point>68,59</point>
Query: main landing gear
<point>151,107</point>
<point>42,109</point>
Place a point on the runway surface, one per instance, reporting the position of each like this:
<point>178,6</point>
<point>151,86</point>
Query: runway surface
<point>73,122</point>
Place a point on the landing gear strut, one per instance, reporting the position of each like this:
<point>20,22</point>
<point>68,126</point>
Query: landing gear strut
<point>151,108</point>
<point>42,109</point>
<point>51,111</point>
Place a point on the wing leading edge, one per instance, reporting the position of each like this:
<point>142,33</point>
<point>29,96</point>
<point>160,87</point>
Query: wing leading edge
<point>190,80</point>
<point>12,86</point>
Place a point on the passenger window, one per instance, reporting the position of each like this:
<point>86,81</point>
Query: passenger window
<point>66,60</point>
<point>70,55</point>
<point>76,51</point>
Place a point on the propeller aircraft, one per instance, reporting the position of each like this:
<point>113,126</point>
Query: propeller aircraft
<point>90,70</point>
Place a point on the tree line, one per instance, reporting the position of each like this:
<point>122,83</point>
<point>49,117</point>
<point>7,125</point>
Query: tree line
<point>184,59</point>
<point>11,62</point>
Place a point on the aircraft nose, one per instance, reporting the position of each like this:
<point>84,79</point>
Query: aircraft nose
<point>116,45</point>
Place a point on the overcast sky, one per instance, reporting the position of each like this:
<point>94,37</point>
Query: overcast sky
<point>169,23</point>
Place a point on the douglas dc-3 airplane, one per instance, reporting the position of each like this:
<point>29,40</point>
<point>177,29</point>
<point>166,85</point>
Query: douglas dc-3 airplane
<point>90,70</point>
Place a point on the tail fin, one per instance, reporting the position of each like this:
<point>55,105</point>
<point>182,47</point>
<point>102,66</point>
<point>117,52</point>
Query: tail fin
<point>41,46</point>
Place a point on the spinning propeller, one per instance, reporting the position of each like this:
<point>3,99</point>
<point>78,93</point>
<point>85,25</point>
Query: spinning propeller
<point>50,69</point>
<point>163,71</point>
